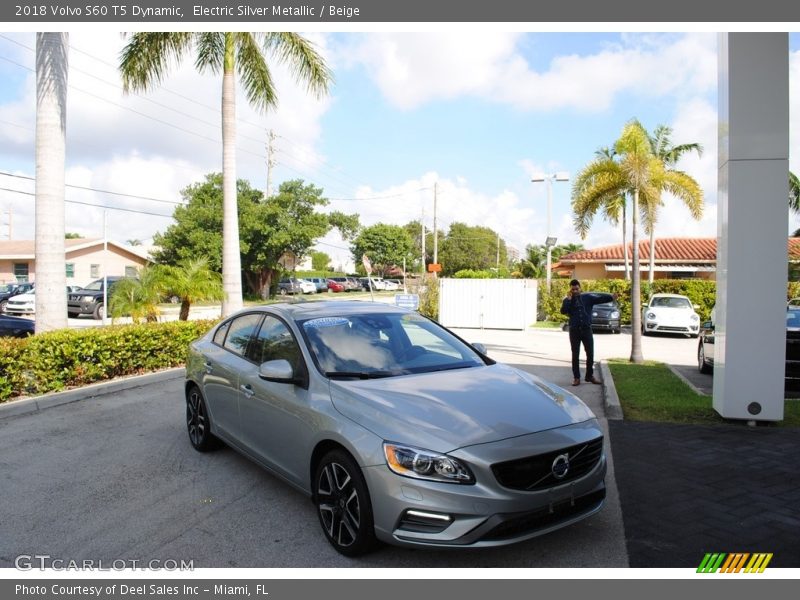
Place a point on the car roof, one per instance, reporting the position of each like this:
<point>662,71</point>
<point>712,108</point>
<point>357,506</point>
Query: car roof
<point>669,296</point>
<point>300,311</point>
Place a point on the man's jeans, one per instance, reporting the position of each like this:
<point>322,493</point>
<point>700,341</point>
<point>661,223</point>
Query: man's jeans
<point>576,337</point>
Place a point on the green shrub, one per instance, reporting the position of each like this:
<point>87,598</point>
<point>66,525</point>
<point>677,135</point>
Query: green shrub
<point>473,274</point>
<point>58,360</point>
<point>429,298</point>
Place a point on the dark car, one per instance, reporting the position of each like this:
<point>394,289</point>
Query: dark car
<point>705,348</point>
<point>15,327</point>
<point>606,316</point>
<point>7,290</point>
<point>89,300</point>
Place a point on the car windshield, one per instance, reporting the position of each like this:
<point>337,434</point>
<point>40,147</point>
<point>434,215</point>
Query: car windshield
<point>606,305</point>
<point>384,345</point>
<point>95,286</point>
<point>671,302</point>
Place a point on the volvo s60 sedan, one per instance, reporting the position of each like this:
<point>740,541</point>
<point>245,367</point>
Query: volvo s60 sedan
<point>398,430</point>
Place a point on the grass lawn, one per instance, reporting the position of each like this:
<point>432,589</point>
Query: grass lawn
<point>651,392</point>
<point>547,325</point>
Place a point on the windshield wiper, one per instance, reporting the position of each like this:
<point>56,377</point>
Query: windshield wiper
<point>360,374</point>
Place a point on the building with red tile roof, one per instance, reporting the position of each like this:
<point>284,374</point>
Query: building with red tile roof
<point>675,258</point>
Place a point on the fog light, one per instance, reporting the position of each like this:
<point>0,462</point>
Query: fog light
<point>424,522</point>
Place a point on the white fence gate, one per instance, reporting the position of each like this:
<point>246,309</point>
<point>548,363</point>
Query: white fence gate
<point>488,303</point>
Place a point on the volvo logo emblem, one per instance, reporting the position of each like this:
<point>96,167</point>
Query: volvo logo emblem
<point>560,466</point>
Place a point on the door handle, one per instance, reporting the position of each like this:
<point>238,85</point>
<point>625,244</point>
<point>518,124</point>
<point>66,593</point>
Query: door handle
<point>209,368</point>
<point>247,390</point>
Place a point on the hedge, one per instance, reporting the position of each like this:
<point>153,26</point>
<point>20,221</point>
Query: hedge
<point>702,292</point>
<point>57,360</point>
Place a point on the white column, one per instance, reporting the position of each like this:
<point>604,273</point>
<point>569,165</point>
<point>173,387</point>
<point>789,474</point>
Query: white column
<point>752,225</point>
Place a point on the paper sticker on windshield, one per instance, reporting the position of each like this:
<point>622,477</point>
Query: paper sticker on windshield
<point>413,317</point>
<point>325,322</point>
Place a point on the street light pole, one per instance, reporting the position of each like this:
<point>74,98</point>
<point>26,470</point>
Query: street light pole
<point>550,241</point>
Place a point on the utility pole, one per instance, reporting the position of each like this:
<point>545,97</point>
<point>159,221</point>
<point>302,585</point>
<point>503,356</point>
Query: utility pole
<point>435,230</point>
<point>422,222</point>
<point>270,160</point>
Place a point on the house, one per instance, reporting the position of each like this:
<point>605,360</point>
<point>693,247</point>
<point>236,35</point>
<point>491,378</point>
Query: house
<point>675,258</point>
<point>85,260</point>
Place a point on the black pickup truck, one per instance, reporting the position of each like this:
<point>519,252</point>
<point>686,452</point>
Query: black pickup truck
<point>89,300</point>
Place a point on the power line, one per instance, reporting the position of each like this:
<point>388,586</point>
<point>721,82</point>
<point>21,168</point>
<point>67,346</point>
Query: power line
<point>130,210</point>
<point>91,189</point>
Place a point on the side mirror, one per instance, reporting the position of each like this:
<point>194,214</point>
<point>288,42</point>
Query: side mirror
<point>279,371</point>
<point>481,348</point>
<point>707,325</point>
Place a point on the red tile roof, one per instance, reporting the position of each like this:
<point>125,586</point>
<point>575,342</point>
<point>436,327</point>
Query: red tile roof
<point>667,249</point>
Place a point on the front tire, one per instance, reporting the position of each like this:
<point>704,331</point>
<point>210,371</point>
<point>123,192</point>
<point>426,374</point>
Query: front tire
<point>197,422</point>
<point>99,312</point>
<point>343,504</point>
<point>3,304</point>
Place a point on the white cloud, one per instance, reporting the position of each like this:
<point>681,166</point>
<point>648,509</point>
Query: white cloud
<point>414,68</point>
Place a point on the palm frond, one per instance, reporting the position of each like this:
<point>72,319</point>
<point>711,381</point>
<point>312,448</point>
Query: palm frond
<point>794,193</point>
<point>305,63</point>
<point>254,72</point>
<point>147,56</point>
<point>210,51</point>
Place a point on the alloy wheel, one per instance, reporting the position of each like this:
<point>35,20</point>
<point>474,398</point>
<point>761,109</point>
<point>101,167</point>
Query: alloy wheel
<point>339,505</point>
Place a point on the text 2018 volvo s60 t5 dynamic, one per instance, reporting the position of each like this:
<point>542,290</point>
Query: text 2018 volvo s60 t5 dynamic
<point>397,429</point>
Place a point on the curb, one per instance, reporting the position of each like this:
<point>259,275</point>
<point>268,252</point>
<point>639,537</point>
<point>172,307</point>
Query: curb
<point>610,397</point>
<point>29,405</point>
<point>683,378</point>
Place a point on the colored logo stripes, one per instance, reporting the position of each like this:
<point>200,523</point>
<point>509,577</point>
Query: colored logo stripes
<point>717,562</point>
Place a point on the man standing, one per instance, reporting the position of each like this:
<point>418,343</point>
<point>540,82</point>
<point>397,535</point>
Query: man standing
<point>579,308</point>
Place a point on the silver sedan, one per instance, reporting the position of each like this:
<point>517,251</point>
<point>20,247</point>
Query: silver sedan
<point>397,429</point>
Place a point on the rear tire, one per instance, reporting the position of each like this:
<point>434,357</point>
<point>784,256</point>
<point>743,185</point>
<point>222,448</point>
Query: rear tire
<point>702,365</point>
<point>197,422</point>
<point>72,315</point>
<point>343,505</point>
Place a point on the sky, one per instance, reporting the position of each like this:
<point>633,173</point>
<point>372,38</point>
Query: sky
<point>476,114</point>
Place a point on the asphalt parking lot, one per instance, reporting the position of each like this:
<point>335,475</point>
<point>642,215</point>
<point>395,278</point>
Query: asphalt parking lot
<point>114,477</point>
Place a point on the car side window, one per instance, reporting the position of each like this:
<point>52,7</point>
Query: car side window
<point>219,335</point>
<point>240,331</point>
<point>274,341</point>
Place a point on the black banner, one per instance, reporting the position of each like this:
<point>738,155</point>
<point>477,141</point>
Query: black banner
<point>413,11</point>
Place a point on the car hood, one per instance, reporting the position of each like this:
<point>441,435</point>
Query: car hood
<point>23,298</point>
<point>446,410</point>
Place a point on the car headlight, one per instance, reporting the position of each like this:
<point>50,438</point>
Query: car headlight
<point>651,316</point>
<point>695,318</point>
<point>424,464</point>
<point>615,314</point>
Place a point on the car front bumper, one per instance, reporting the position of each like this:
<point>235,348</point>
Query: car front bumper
<point>605,323</point>
<point>656,327</point>
<point>485,513</point>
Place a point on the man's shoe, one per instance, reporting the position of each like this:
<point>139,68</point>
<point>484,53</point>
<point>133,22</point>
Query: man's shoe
<point>576,382</point>
<point>593,380</point>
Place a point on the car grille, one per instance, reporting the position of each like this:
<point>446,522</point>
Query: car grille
<point>546,517</point>
<point>536,472</point>
<point>665,328</point>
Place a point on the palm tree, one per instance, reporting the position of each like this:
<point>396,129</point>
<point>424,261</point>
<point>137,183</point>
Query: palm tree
<point>145,60</point>
<point>794,193</point>
<point>636,171</point>
<point>51,114</point>
<point>193,281</point>
<point>614,209</point>
<point>661,145</point>
<point>138,297</point>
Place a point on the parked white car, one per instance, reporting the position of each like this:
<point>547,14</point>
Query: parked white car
<point>670,313</point>
<point>25,304</point>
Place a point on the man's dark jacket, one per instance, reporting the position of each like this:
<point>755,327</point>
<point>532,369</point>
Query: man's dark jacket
<point>579,308</point>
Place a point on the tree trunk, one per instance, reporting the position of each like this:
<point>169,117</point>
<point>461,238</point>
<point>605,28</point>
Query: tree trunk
<point>51,126</point>
<point>184,314</point>
<point>625,241</point>
<point>651,274</point>
<point>636,286</point>
<point>231,257</point>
